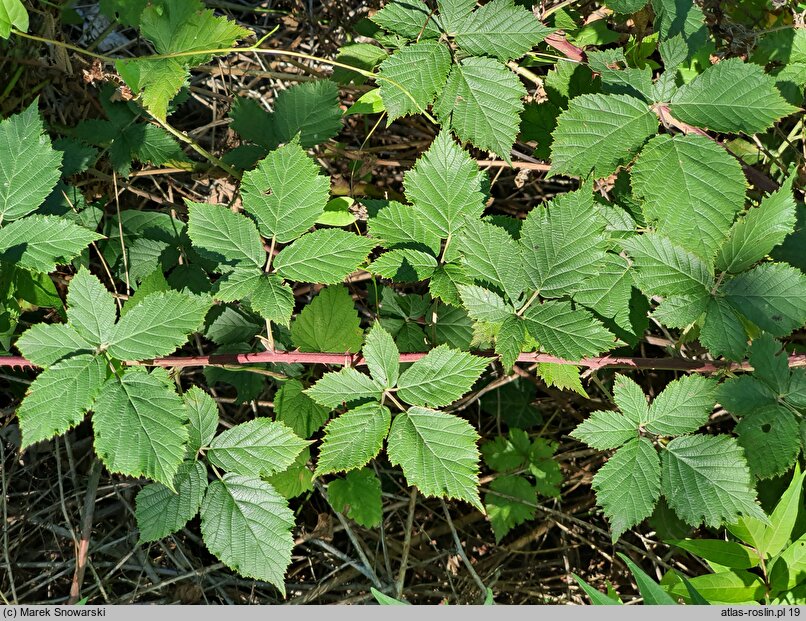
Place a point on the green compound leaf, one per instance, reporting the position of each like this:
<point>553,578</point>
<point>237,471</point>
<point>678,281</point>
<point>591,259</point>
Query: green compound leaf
<point>411,78</point>
<point>412,19</point>
<point>328,324</point>
<point>285,193</point>
<point>224,236</point>
<point>161,512</point>
<point>722,332</point>
<point>29,166</point>
<point>353,438</point>
<point>326,256</point>
<point>440,377</point>
<point>662,268</point>
<point>90,308</point>
<point>731,96</point>
<point>692,189</point>
<point>157,326</point>
<point>139,425</point>
<point>484,305</point>
<point>297,410</point>
<point>706,479</point>
<point>771,295</point>
<point>755,235</point>
<point>567,332</point>
<point>500,29</point>
<point>445,186</point>
<point>598,133</point>
<point>382,356</point>
<point>46,343</point>
<point>769,437</point>
<point>39,243</point>
<point>203,415</point>
<point>628,485</point>
<point>437,452</point>
<point>359,496</point>
<point>631,399</point>
<point>492,256</point>
<point>563,244</point>
<point>247,524</point>
<point>267,294</point>
<point>482,101</point>
<point>59,397</point>
<point>515,506</point>
<point>259,446</point>
<point>345,386</point>
<point>683,406</point>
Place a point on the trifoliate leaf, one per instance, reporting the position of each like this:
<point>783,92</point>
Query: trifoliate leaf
<point>509,341</point>
<point>39,243</point>
<point>628,485</point>
<point>297,410</point>
<point>492,256</point>
<point>484,305</point>
<point>400,225</point>
<point>46,343</point>
<point>507,453</point>
<point>500,29</point>
<point>267,294</point>
<point>12,14</point>
<point>567,332</point>
<point>514,507</point>
<point>598,133</point>
<point>139,425</point>
<point>29,166</point>
<point>706,479</point>
<point>769,437</point>
<point>345,386</point>
<point>260,446</point>
<point>722,332</point>
<point>161,511</point>
<point>224,236</point>
<point>691,188</point>
<point>382,356</point>
<point>203,415</point>
<point>359,496</point>
<point>412,19</point>
<point>353,438</point>
<point>440,377</point>
<point>755,235</point>
<point>157,326</point>
<point>444,186</point>
<point>404,265</point>
<point>731,96</point>
<point>437,452</point>
<point>411,77</point>
<point>683,406</point>
<point>482,102</point>
<point>247,524</point>
<point>606,429</point>
<point>563,244</point>
<point>59,397</point>
<point>90,308</point>
<point>285,193</point>
<point>328,324</point>
<point>662,268</point>
<point>772,295</point>
<point>326,256</point>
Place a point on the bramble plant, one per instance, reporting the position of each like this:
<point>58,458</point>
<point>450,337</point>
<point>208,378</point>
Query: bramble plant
<point>672,224</point>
